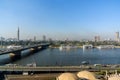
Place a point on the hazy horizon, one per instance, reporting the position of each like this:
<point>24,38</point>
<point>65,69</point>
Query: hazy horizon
<point>60,19</point>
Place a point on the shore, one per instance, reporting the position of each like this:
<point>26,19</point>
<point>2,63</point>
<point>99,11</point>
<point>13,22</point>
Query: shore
<point>45,76</point>
<point>80,46</point>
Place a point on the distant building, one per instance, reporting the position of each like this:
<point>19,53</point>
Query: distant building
<point>44,38</point>
<point>12,39</point>
<point>50,39</point>
<point>117,36</point>
<point>34,38</point>
<point>18,34</point>
<point>97,38</point>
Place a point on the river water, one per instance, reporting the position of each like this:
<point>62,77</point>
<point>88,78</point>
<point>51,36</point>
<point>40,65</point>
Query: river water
<point>72,57</point>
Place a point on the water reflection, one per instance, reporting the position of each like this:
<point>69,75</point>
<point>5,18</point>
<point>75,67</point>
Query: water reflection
<point>53,57</point>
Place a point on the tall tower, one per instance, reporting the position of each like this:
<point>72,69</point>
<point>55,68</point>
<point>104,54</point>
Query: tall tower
<point>18,34</point>
<point>117,36</point>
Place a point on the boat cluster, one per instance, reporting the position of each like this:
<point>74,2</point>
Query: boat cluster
<point>99,47</point>
<point>67,47</point>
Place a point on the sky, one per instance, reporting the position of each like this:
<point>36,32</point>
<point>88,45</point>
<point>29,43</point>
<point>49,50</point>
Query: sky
<point>60,19</point>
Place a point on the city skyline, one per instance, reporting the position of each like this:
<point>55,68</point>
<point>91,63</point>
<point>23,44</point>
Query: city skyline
<point>95,38</point>
<point>60,19</point>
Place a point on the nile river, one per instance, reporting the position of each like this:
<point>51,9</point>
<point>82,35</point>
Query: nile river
<point>72,57</point>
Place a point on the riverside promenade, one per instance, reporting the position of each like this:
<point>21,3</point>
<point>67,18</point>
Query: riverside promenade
<point>55,68</point>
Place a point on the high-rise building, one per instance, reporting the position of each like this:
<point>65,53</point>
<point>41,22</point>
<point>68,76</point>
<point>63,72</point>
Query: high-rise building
<point>97,38</point>
<point>44,38</point>
<point>34,38</point>
<point>18,34</point>
<point>50,40</point>
<point>117,36</point>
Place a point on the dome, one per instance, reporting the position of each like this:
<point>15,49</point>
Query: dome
<point>67,76</point>
<point>87,75</point>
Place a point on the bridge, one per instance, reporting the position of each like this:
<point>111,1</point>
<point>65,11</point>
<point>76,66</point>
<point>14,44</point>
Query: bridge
<point>15,54</point>
<point>24,48</point>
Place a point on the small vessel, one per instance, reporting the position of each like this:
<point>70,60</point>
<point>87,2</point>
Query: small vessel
<point>61,48</point>
<point>106,47</point>
<point>85,62</point>
<point>32,65</point>
<point>64,47</point>
<point>13,46</point>
<point>87,46</point>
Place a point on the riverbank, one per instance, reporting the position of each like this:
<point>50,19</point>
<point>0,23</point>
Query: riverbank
<point>79,46</point>
<point>47,76</point>
<point>59,47</point>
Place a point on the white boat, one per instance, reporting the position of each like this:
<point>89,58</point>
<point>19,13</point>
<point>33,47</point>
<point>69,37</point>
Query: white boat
<point>87,46</point>
<point>68,47</point>
<point>32,65</point>
<point>106,47</point>
<point>85,62</point>
<point>61,48</point>
<point>13,46</point>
